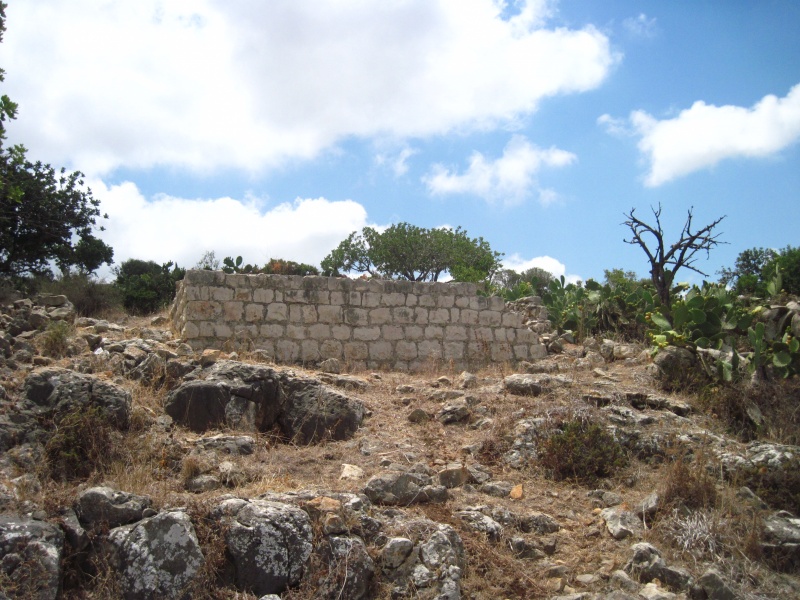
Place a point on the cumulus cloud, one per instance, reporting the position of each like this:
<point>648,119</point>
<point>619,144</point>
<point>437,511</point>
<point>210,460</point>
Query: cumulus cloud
<point>180,229</point>
<point>515,262</point>
<point>704,135</point>
<point>510,179</point>
<point>397,161</point>
<point>213,84</point>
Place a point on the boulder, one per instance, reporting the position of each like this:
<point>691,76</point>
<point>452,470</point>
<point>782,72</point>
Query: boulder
<point>158,557</point>
<point>314,412</point>
<point>404,488</point>
<point>58,391</point>
<point>781,541</point>
<point>713,586</point>
<point>109,506</point>
<point>30,556</point>
<point>621,523</point>
<point>348,566</point>
<point>647,565</point>
<point>269,543</point>
<point>674,366</point>
<point>522,384</point>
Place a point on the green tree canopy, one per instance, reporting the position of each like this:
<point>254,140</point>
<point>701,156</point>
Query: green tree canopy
<point>755,268</point>
<point>414,253</point>
<point>145,285</point>
<point>45,217</point>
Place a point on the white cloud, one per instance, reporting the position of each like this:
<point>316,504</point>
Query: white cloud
<point>180,229</point>
<point>398,161</point>
<point>515,262</point>
<point>640,26</point>
<point>704,135</point>
<point>212,84</point>
<point>510,179</point>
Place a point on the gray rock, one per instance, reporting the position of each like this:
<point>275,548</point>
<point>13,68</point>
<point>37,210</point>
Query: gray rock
<point>109,506</point>
<point>199,405</point>
<point>712,586</point>
<point>467,381</point>
<point>236,445</point>
<point>313,412</point>
<point>647,565</point>
<point>156,558</point>
<point>330,365</point>
<point>454,412</point>
<point>522,548</point>
<point>454,475</point>
<point>674,365</point>
<point>781,542</point>
<point>621,523</point>
<point>481,523</point>
<point>349,569</point>
<point>58,391</point>
<point>537,522</point>
<point>404,488</point>
<point>269,543</point>
<point>202,483</point>
<point>396,551</point>
<point>522,384</point>
<point>418,416</point>
<point>499,489</point>
<point>30,556</point>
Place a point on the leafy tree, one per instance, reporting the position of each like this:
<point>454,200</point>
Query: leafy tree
<point>512,285</point>
<point>45,217</point>
<point>278,266</point>
<point>746,276</point>
<point>145,286</point>
<point>787,262</point>
<point>208,261</point>
<point>665,261</point>
<point>409,252</point>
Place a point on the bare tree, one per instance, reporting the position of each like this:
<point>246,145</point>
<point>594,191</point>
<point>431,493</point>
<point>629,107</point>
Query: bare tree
<point>665,262</point>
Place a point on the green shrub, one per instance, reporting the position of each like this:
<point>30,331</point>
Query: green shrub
<point>56,339</point>
<point>582,451</point>
<point>91,298</point>
<point>145,286</point>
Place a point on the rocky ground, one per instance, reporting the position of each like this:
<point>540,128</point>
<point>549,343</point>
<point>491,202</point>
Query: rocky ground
<point>132,467</point>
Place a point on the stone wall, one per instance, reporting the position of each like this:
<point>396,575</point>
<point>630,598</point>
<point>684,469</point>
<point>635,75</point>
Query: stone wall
<point>374,324</point>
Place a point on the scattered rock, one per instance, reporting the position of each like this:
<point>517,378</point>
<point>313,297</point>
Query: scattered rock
<point>404,488</point>
<point>105,505</point>
<point>523,385</point>
<point>621,523</point>
<point>30,556</point>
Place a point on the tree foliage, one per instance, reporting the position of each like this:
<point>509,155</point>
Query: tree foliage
<point>46,216</point>
<point>147,286</point>
<point>666,261</point>
<point>757,268</point>
<point>414,253</point>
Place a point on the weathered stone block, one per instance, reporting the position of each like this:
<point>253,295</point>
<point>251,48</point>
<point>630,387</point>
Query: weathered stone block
<point>366,333</point>
<point>392,332</point>
<point>380,316</point>
<point>427,300</point>
<point>243,294</point>
<point>490,318</point>
<point>233,311</point>
<point>439,315</point>
<point>309,350</point>
<point>462,302</point>
<point>479,303</point>
<point>272,331</point>
<point>512,320</point>
<point>222,330</point>
<point>446,301</point>
<point>356,351</point>
<point>454,350</point>
<point>402,315</point>
<point>309,314</point>
<point>296,332</point>
<point>455,333</point>
<point>502,352</point>
<point>220,294</point>
<point>370,299</point>
<point>469,317</point>
<point>357,317</point>
<point>329,314</point>
<point>263,295</point>
<point>295,296</point>
<point>254,312</point>
<point>406,350</point>
<point>337,298</point>
<point>380,351</point>
<point>277,312</point>
<point>331,349</point>
<point>354,299</point>
<point>341,332</point>
<point>414,332</point>
<point>393,299</point>
<point>421,316</point>
<point>287,351</point>
<point>319,331</point>
<point>202,310</point>
<point>430,349</point>
<point>412,300</point>
<point>189,330</point>
<point>434,332</point>
<point>521,351</point>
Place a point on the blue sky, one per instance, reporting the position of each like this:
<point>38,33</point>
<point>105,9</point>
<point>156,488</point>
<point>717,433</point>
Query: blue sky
<point>274,129</point>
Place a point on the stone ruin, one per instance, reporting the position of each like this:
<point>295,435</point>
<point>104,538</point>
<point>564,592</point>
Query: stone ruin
<point>364,323</point>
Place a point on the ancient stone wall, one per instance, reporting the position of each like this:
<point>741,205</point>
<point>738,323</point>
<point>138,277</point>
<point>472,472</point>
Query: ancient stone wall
<point>397,325</point>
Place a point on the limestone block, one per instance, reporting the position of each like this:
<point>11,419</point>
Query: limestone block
<point>406,350</point>
<point>318,297</point>
<point>482,334</point>
<point>497,303</point>
<point>421,316</point>
<point>380,316</point>
<point>502,352</point>
<point>358,317</point>
<point>430,349</point>
<point>287,351</point>
<point>371,299</point>
<point>392,332</point>
<point>479,303</point>
<point>527,336</point>
<point>201,310</point>
<point>341,332</point>
<point>189,330</point>
<point>427,300</point>
<point>309,314</point>
<point>537,351</point>
<point>220,294</point>
<point>268,346</point>
<point>233,311</point>
<point>500,334</point>
<point>455,315</point>
<point>356,351</point>
<point>254,312</point>
<point>272,331</point>
<point>330,349</point>
<point>244,332</point>
<point>319,331</point>
<point>337,298</point>
<point>393,299</point>
<point>237,281</point>
<point>462,302</point>
<point>439,315</point>
<point>329,314</point>
<point>412,300</point>
<point>469,317</point>
<point>478,351</point>
<point>366,333</point>
<point>353,299</point>
<point>414,332</point>
<point>454,350</point>
<point>402,315</point>
<point>511,319</point>
<point>296,332</point>
<point>446,301</point>
<point>277,312</point>
<point>309,350</point>
<point>243,294</point>
<point>200,277</point>
<point>295,296</point>
<point>434,332</point>
<point>521,352</point>
<point>455,333</point>
<point>206,329</point>
<point>222,330</point>
<point>263,296</point>
<point>492,318</point>
<point>380,351</point>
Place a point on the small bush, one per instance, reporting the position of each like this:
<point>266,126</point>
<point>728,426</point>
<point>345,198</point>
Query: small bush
<point>689,485</point>
<point>91,298</point>
<point>55,341</point>
<point>582,451</point>
<point>83,442</point>
<point>145,286</point>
